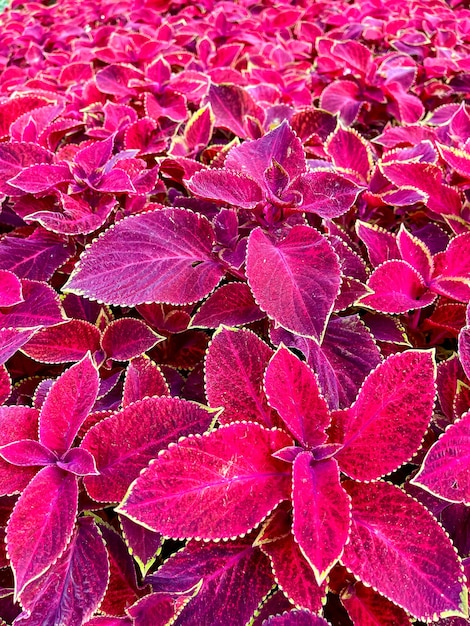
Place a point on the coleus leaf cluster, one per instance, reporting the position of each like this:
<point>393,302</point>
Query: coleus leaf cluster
<point>234,335</point>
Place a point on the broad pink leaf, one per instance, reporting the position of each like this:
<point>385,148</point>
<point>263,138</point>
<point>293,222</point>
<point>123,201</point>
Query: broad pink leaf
<point>293,574</point>
<point>227,186</point>
<point>63,343</point>
<point>126,442</point>
<point>35,542</point>
<point>280,144</point>
<point>452,273</point>
<point>295,280</point>
<point>464,349</point>
<point>296,618</point>
<point>231,104</point>
<point>72,589</point>
<point>232,305</point>
<point>41,307</point>
<point>10,289</point>
<point>235,365</point>
<point>5,384</point>
<point>160,256</point>
<point>127,338</point>
<point>366,607</point>
<point>198,130</point>
<point>381,245</point>
<point>234,578</point>
<point>16,423</point>
<point>143,543</point>
<point>79,462</point>
<point>67,404</point>
<point>416,253</point>
<point>27,452</point>
<point>327,194</point>
<point>143,378</point>
<point>350,151</point>
<point>386,424</point>
<point>14,157</point>
<point>459,160</point>
<point>424,574</point>
<point>194,488</point>
<point>398,288</point>
<point>114,79</point>
<point>445,470</point>
<point>42,177</point>
<point>292,389</point>
<point>343,97</point>
<point>159,609</point>
<point>321,512</point>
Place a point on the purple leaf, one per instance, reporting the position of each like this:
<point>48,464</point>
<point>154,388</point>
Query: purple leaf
<point>35,542</point>
<point>295,280</point>
<point>160,256</point>
<point>327,194</point>
<point>292,389</point>
<point>127,338</point>
<point>235,365</point>
<point>386,424</point>
<point>72,589</point>
<point>41,307</point>
<point>159,609</point>
<point>296,618</point>
<point>10,289</point>
<point>321,512</point>
<point>445,470</point>
<point>126,442</point>
<point>16,423</point>
<point>424,574</point>
<point>240,190</point>
<point>63,343</point>
<point>366,606</point>
<point>231,104</point>
<point>143,543</point>
<point>233,577</point>
<point>194,488</point>
<point>231,305</point>
<point>67,405</point>
<point>416,253</point>
<point>143,378</point>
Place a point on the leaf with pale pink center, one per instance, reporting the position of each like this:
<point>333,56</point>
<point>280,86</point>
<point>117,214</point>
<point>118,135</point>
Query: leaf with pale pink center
<point>40,307</point>
<point>321,512</point>
<point>296,618</point>
<point>327,194</point>
<point>40,178</point>
<point>125,443</point>
<point>27,452</point>
<point>232,305</point>
<point>127,338</point>
<point>10,289</point>
<point>292,389</point>
<point>14,157</point>
<point>160,256</point>
<point>343,97</point>
<point>143,378</point>
<point>386,424</point>
<point>35,542</point>
<point>445,471</point>
<point>366,606</point>
<point>234,578</point>
<point>72,589</point>
<point>295,280</point>
<point>424,574</point>
<point>194,488</point>
<point>228,186</point>
<point>235,365</point>
<point>69,401</point>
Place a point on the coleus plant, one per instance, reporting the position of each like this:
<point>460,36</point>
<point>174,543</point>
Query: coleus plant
<point>233,275</point>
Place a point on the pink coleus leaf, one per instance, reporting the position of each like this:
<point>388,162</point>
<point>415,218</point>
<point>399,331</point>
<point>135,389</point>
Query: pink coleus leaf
<point>234,578</point>
<point>464,349</point>
<point>386,424</point>
<point>397,288</point>
<point>63,343</point>
<point>79,462</point>
<point>232,305</point>
<point>231,104</point>
<point>35,542</point>
<point>16,156</point>
<point>40,178</point>
<point>194,488</point>
<point>143,378</point>
<point>143,543</point>
<point>416,253</point>
<point>366,606</point>
<point>445,470</point>
<point>198,130</point>
<point>381,245</point>
<point>452,272</point>
<point>67,404</point>
<point>295,280</point>
<point>160,256</point>
<point>127,338</point>
<point>55,596</point>
<point>327,194</point>
<point>296,618</point>
<point>27,452</point>
<point>234,188</point>
<point>5,384</point>
<point>10,289</point>
<point>235,365</point>
<point>16,423</point>
<point>125,443</point>
<point>424,574</point>
<point>292,389</point>
<point>293,574</point>
<point>321,515</point>
<point>11,340</point>
<point>349,151</point>
<point>159,609</point>
<point>40,307</point>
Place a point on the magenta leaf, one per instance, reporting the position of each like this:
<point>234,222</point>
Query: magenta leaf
<point>63,343</point>
<point>233,577</point>
<point>296,618</point>
<point>327,194</point>
<point>321,512</point>
<point>160,256</point>
<point>124,443</point>
<point>79,462</point>
<point>386,424</point>
<point>343,97</point>
<point>41,177</point>
<point>231,105</point>
<point>10,289</point>
<point>143,544</point>
<point>67,405</point>
<point>16,423</point>
<point>5,384</point>
<point>232,305</point>
<point>292,389</point>
<point>72,589</point>
<point>127,338</point>
<point>349,151</point>
<point>295,280</point>
<point>424,574</point>
<point>366,606</point>
<point>235,365</point>
<point>159,609</point>
<point>194,488</point>
<point>41,307</point>
<point>231,187</point>
<point>416,253</point>
<point>35,542</point>
<point>27,452</point>
<point>16,156</point>
<point>381,245</point>
<point>293,574</point>
<point>445,470</point>
<point>143,378</point>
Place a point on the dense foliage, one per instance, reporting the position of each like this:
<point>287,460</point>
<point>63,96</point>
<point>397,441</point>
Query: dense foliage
<point>234,332</point>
